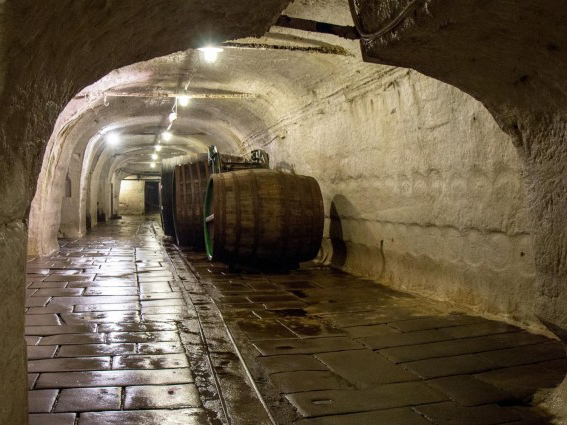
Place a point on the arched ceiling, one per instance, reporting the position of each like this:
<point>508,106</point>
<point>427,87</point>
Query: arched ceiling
<point>252,84</point>
<point>238,104</point>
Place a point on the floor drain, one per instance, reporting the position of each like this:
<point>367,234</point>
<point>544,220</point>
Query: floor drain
<point>325,401</point>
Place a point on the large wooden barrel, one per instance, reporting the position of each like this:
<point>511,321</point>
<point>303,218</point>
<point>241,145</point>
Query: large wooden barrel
<point>189,187</point>
<point>166,191</point>
<point>263,217</point>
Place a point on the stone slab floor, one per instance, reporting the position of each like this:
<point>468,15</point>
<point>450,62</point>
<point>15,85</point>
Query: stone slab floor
<point>105,334</point>
<point>112,330</point>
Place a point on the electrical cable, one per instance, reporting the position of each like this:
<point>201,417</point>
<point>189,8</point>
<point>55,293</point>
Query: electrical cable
<point>371,36</point>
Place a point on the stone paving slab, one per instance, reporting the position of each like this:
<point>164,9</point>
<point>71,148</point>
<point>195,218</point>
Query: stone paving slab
<point>480,329</point>
<point>73,339</point>
<point>324,347</point>
<point>447,366</point>
<point>111,291</point>
<point>161,336</point>
<point>89,399</point>
<point>37,301</point>
<point>92,354</point>
<point>404,416</point>
<point>93,300</point>
<point>69,365</point>
<point>57,330</point>
<point>333,402</point>
<point>452,413</point>
<point>51,308</point>
<point>525,355</point>
<point>41,401</point>
<point>89,350</point>
<point>308,380</point>
<point>396,351</point>
<point>522,381</point>
<point>40,285</point>
<point>258,330</point>
<point>291,363</point>
<point>160,296</point>
<point>66,278</point>
<point>162,397</point>
<point>63,292</point>
<point>305,346</point>
<point>365,369</point>
<point>110,283</point>
<point>402,339</point>
<point>161,417</point>
<point>371,331</point>
<point>43,352</point>
<point>107,307</point>
<point>53,419</point>
<point>461,346</point>
<point>32,378</point>
<point>468,391</point>
<point>43,320</point>
<point>136,327</point>
<point>32,340</point>
<point>164,361</point>
<point>311,328</point>
<point>435,322</point>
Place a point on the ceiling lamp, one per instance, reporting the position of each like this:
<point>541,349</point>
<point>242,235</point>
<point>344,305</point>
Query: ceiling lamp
<point>152,164</point>
<point>154,156</point>
<point>183,101</point>
<point>166,135</point>
<point>113,139</point>
<point>172,116</point>
<point>158,148</point>
<point>210,53</point>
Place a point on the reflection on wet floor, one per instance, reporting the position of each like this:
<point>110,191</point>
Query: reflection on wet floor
<point>123,331</point>
<point>105,332</point>
<point>326,347</point>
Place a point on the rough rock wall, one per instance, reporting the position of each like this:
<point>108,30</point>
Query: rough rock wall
<point>69,227</point>
<point>49,51</point>
<point>422,190</point>
<point>132,197</point>
<point>511,56</point>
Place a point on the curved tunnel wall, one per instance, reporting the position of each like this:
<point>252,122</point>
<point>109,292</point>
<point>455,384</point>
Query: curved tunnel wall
<point>473,240</point>
<point>40,72</point>
<point>422,190</point>
<point>78,142</point>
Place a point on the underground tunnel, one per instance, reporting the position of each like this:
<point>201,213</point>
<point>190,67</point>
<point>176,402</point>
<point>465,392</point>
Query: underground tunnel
<point>299,212</point>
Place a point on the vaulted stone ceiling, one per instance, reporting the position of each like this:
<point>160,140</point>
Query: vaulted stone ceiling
<point>253,84</point>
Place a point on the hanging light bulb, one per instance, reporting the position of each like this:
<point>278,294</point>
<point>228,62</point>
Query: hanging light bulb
<point>166,135</point>
<point>158,148</point>
<point>152,164</point>
<point>113,139</point>
<point>154,156</point>
<point>183,101</point>
<point>172,116</point>
<point>210,53</point>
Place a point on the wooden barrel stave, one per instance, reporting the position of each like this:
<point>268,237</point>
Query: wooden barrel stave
<point>190,181</point>
<point>166,191</point>
<point>264,216</point>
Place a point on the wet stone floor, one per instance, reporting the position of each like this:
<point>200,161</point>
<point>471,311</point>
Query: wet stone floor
<point>124,328</point>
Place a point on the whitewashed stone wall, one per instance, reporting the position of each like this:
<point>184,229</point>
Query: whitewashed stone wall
<point>422,191</point>
<point>132,197</point>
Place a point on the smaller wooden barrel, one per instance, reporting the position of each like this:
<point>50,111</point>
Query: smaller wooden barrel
<point>263,217</point>
<point>166,191</point>
<point>189,187</point>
